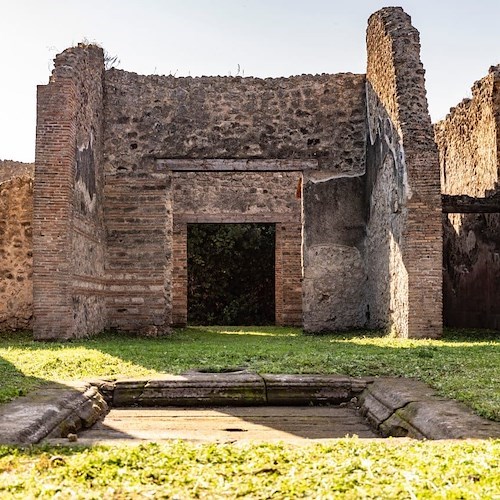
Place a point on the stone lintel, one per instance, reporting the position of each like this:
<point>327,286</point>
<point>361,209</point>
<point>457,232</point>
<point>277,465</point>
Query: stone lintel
<point>243,218</point>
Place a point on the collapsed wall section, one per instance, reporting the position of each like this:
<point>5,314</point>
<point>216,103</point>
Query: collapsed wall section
<point>403,244</point>
<point>16,245</point>
<point>469,160</point>
<point>148,118</point>
<point>69,236</point>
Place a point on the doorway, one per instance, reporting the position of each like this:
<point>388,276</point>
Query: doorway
<point>231,273</point>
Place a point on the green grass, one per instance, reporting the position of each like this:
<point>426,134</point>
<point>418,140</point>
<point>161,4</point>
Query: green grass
<point>347,468</point>
<point>464,365</point>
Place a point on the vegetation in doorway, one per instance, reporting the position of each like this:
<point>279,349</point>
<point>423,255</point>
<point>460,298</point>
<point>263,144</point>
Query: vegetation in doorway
<point>231,274</point>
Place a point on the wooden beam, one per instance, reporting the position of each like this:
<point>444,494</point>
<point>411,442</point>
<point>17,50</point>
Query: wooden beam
<point>230,165</point>
<point>463,204</point>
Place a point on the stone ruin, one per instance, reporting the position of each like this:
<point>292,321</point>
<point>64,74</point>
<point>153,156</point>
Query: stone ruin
<point>345,166</point>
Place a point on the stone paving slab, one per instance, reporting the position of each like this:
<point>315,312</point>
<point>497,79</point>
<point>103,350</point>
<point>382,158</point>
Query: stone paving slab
<point>225,424</point>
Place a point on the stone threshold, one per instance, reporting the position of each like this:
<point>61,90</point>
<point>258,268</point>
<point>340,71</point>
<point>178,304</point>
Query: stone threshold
<point>393,406</point>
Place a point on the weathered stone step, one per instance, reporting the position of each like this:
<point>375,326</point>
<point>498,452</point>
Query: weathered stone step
<point>406,407</point>
<point>238,389</point>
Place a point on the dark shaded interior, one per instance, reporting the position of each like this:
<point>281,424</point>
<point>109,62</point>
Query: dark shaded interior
<point>231,274</point>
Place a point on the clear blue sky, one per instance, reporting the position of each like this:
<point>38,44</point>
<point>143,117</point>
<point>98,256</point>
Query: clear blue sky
<point>460,40</point>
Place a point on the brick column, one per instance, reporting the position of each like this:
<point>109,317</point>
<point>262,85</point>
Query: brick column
<point>288,274</point>
<point>179,274</point>
<point>53,209</point>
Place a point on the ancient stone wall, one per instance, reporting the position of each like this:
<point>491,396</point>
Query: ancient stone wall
<point>16,245</point>
<point>317,119</point>
<point>403,244</point>
<point>320,117</point>
<point>69,237</point>
<point>468,148</point>
<point>124,162</point>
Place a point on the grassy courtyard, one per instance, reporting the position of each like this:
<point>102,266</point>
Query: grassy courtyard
<point>464,365</point>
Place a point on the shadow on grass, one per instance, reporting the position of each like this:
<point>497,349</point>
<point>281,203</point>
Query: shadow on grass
<point>15,383</point>
<point>464,364</point>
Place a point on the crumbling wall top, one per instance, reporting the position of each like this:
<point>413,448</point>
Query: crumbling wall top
<point>10,169</point>
<point>74,59</point>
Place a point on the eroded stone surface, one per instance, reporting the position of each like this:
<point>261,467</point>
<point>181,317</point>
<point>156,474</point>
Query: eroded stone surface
<point>307,389</point>
<point>405,407</point>
<point>193,389</point>
<point>55,410</point>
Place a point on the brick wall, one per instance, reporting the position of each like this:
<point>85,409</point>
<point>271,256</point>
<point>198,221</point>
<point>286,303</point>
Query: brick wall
<point>239,197</point>
<point>404,243</point>
<point>69,238</point>
<point>468,149</point>
<point>16,246</point>
<point>139,248</point>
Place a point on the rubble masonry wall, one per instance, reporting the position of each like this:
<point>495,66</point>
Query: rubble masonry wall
<point>16,245</point>
<point>468,148</point>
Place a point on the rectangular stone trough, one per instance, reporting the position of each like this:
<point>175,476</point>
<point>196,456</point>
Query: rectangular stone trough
<point>392,406</point>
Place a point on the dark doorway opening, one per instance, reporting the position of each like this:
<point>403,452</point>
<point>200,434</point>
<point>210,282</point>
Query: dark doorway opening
<point>231,274</point>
